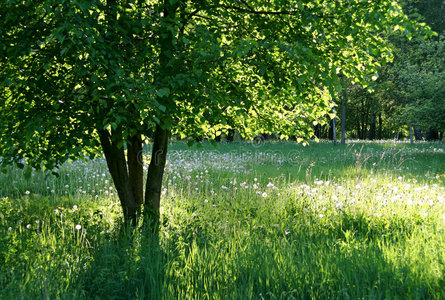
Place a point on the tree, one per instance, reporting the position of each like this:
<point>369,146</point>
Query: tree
<point>420,73</point>
<point>85,77</point>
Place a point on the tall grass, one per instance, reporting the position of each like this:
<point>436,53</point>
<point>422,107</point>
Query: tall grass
<point>239,221</point>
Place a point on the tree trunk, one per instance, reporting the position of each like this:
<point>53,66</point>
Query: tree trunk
<point>155,175</point>
<point>334,131</point>
<point>411,140</point>
<point>343,118</point>
<point>359,133</point>
<point>117,166</point>
<point>417,133</point>
<point>136,168</point>
<point>330,132</point>
<point>156,168</point>
<point>372,126</point>
<point>380,127</point>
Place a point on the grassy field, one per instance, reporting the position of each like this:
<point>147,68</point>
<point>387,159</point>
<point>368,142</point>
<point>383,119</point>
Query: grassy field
<point>239,221</point>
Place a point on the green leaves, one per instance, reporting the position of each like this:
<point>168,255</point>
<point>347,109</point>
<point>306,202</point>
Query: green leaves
<point>197,67</point>
<point>163,92</point>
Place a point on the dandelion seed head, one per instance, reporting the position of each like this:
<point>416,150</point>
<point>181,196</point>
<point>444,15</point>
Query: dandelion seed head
<point>339,205</point>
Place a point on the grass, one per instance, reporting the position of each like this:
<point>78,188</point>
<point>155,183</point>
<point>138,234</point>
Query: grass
<point>239,221</point>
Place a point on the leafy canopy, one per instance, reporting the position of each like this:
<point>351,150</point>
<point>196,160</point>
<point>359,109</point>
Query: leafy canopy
<point>198,68</point>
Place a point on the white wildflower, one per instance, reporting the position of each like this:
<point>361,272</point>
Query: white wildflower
<point>339,205</point>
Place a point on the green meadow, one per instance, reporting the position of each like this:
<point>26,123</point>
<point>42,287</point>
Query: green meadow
<point>272,220</point>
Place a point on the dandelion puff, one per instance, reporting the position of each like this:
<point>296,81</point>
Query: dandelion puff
<point>27,192</point>
<point>320,215</point>
<point>264,195</point>
<point>28,226</point>
<point>10,228</point>
<point>78,227</point>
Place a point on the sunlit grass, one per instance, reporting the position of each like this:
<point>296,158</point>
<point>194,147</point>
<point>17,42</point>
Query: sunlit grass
<point>239,221</point>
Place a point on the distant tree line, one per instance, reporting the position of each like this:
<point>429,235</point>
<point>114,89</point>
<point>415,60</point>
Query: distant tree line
<point>408,98</point>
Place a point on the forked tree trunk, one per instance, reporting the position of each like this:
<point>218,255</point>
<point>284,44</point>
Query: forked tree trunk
<point>155,175</point>
<point>117,165</point>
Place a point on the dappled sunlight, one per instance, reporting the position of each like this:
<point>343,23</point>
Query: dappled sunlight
<point>267,220</point>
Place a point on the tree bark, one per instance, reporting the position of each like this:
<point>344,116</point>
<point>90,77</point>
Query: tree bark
<point>372,126</point>
<point>334,131</point>
<point>380,127</point>
<point>417,133</point>
<point>155,175</point>
<point>117,166</point>
<point>411,140</point>
<point>156,168</point>
<point>343,118</point>
<point>136,168</point>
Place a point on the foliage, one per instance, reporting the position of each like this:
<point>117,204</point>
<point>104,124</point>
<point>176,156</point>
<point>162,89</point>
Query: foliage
<point>206,67</point>
<point>420,74</point>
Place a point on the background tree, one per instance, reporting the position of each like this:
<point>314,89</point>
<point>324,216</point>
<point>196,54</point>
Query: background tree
<point>421,77</point>
<point>85,77</point>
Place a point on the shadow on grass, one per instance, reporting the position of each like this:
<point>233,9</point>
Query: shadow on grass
<point>226,259</point>
<point>127,265</point>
